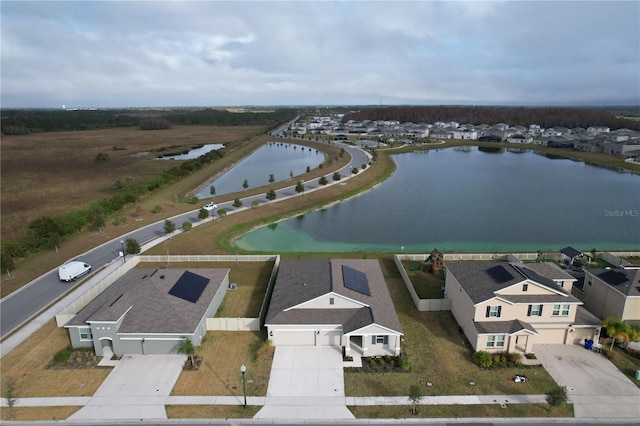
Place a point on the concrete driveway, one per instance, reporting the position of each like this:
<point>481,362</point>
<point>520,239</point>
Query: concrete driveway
<point>594,385</point>
<point>137,388</point>
<point>306,382</point>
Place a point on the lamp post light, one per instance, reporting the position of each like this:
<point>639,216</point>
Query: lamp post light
<point>243,369</point>
<point>124,253</point>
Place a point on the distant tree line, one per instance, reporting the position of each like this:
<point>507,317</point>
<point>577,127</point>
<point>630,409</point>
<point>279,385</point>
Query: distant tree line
<point>545,117</point>
<point>27,121</point>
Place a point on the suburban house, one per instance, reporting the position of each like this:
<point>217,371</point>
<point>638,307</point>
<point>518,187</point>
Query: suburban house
<point>612,293</point>
<point>510,306</point>
<point>150,311</point>
<point>334,302</point>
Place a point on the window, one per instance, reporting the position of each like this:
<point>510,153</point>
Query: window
<point>495,341</point>
<point>560,310</point>
<point>379,340</point>
<point>534,311</point>
<point>493,311</point>
<point>525,287</point>
<point>589,279</point>
<point>332,300</point>
<point>85,333</point>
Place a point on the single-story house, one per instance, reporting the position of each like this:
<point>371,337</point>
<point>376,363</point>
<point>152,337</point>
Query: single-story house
<point>150,311</point>
<point>334,302</point>
<point>510,306</point>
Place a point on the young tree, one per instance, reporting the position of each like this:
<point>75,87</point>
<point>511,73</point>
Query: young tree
<point>169,226</point>
<point>337,176</point>
<point>203,214</point>
<point>308,169</point>
<point>272,178</point>
<point>212,190</point>
<point>300,187</point>
<point>271,195</point>
<point>101,158</point>
<point>188,349</point>
<point>10,397</point>
<point>323,181</point>
<point>254,204</point>
<point>222,212</point>
<point>237,203</point>
<point>556,396</point>
<point>186,226</point>
<point>354,171</point>
<point>291,173</point>
<point>131,246</point>
<point>619,330</point>
<point>245,184</point>
<point>415,396</point>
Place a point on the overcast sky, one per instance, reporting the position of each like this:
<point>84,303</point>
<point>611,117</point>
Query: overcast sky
<point>136,54</point>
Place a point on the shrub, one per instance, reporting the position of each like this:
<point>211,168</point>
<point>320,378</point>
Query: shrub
<point>62,355</point>
<point>237,203</point>
<point>530,356</point>
<point>404,363</point>
<point>194,200</point>
<point>157,209</point>
<point>482,359</point>
<point>119,220</point>
<point>514,358</point>
<point>222,212</point>
<point>556,396</point>
<point>186,226</point>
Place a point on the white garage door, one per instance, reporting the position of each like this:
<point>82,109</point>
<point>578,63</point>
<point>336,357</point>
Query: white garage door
<point>329,338</point>
<point>551,336</point>
<point>295,337</point>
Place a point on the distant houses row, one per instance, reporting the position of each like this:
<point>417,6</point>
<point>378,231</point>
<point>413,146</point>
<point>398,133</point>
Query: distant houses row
<point>624,143</point>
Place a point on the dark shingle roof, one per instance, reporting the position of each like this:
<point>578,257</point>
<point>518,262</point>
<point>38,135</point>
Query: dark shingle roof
<point>570,252</point>
<point>325,276</point>
<point>481,280</point>
<point>626,281</point>
<point>143,295</point>
<point>509,327</point>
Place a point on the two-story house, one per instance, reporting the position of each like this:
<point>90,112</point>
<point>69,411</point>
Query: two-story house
<point>612,293</point>
<point>510,306</point>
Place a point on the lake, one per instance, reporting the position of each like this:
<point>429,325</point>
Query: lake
<point>276,158</point>
<point>470,200</point>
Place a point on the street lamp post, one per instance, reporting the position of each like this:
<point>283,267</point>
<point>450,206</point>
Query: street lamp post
<point>124,253</point>
<point>244,387</point>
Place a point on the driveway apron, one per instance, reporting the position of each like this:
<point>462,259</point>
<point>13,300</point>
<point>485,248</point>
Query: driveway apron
<point>137,388</point>
<point>306,383</point>
<point>594,385</point>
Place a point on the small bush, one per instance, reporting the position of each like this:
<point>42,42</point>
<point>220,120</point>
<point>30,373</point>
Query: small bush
<point>514,358</point>
<point>63,355</point>
<point>157,209</point>
<point>404,363</point>
<point>482,359</point>
<point>120,220</point>
<point>194,200</point>
<point>530,356</point>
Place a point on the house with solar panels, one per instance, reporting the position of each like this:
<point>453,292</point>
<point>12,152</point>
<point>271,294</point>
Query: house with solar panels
<point>612,293</point>
<point>344,303</point>
<point>511,306</point>
<point>150,311</point>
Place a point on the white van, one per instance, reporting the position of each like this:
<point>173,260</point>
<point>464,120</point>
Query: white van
<point>72,270</point>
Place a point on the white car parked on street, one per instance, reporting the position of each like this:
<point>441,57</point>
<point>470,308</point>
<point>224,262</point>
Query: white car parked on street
<point>210,207</point>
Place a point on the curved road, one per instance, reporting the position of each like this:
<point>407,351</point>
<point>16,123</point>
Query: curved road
<point>24,304</point>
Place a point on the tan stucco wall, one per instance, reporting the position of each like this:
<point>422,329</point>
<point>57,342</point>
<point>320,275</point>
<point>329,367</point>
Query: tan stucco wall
<point>632,309</point>
<point>461,307</point>
<point>601,300</point>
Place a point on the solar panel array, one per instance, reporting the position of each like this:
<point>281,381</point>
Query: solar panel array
<point>189,286</point>
<point>355,280</point>
<point>499,274</point>
<point>613,277</point>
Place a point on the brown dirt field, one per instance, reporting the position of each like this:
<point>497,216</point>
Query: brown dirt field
<point>223,352</point>
<point>52,173</point>
<point>23,414</point>
<point>25,368</point>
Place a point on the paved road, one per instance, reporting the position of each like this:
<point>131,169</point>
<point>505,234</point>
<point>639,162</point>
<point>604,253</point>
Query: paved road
<point>19,307</point>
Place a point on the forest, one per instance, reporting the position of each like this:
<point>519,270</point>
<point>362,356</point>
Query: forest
<point>514,116</point>
<point>27,121</point>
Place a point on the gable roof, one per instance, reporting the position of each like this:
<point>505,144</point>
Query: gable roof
<point>142,295</point>
<point>481,280</point>
<point>570,252</point>
<point>299,281</point>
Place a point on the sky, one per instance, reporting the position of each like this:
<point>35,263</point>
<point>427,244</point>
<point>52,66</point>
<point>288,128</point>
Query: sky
<point>109,54</point>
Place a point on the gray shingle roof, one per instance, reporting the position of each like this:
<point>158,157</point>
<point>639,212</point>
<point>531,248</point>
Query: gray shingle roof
<point>143,294</point>
<point>299,281</point>
<point>509,327</point>
<point>480,281</point>
<point>626,281</point>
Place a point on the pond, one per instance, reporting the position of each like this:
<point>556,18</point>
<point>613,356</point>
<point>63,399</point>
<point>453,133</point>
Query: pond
<point>273,158</point>
<point>469,200</point>
<point>194,153</point>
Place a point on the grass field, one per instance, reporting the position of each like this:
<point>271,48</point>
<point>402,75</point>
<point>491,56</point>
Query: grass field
<point>439,354</point>
<point>26,414</point>
<point>426,284</point>
<point>211,411</point>
<point>461,411</point>
<point>25,368</point>
<point>51,173</point>
<point>223,352</point>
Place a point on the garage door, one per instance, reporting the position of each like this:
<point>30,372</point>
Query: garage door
<point>329,338</point>
<point>295,338</point>
<point>551,336</point>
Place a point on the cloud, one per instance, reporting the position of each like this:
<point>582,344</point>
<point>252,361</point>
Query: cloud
<point>111,54</point>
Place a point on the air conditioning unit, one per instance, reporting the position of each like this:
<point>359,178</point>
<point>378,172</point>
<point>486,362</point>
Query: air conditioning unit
<point>233,286</point>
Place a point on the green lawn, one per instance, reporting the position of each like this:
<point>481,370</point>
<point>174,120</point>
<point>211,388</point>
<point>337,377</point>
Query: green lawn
<point>460,411</point>
<point>627,364</point>
<point>440,354</point>
<point>427,285</point>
